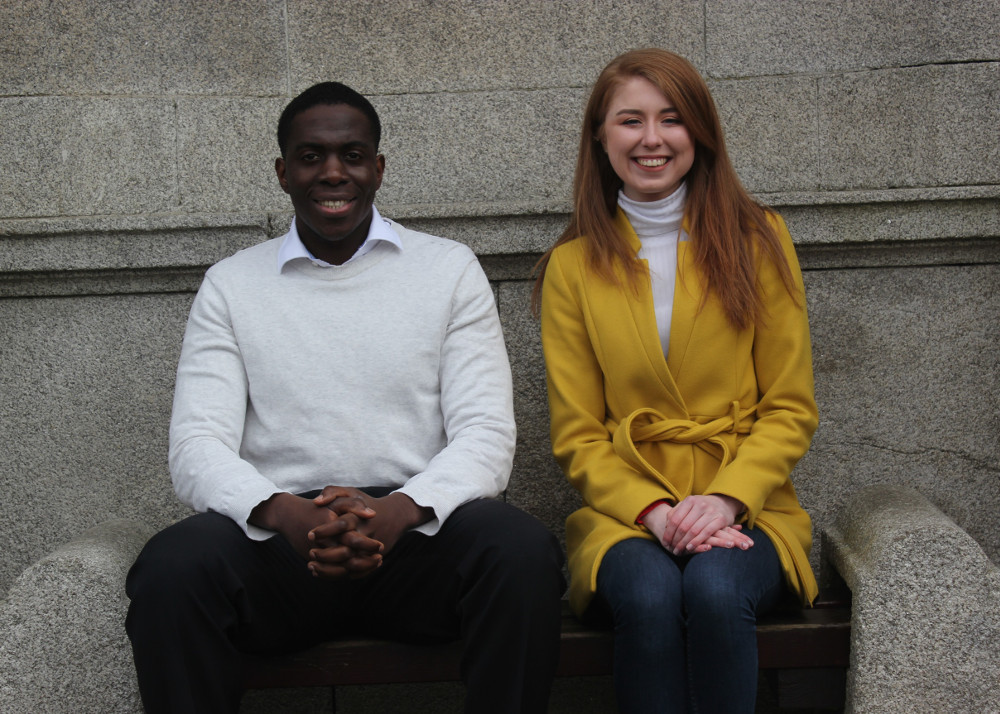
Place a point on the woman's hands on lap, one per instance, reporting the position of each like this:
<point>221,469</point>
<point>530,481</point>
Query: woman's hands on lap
<point>698,524</point>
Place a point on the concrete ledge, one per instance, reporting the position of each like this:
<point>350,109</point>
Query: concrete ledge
<point>926,611</point>
<point>63,646</point>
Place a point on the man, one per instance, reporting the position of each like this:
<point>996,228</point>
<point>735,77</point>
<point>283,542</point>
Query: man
<point>342,418</point>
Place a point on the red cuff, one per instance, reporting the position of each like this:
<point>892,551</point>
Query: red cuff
<point>647,509</point>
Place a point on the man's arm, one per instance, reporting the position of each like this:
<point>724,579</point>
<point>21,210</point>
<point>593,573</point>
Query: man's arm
<point>209,411</point>
<point>476,406</point>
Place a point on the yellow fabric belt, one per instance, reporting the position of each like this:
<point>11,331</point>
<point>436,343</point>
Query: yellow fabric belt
<point>649,425</point>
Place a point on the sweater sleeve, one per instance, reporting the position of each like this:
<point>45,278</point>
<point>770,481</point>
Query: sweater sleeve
<point>786,413</point>
<point>476,404</point>
<point>581,441</point>
<point>206,427</point>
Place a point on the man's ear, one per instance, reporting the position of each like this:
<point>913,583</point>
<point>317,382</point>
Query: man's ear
<point>279,169</point>
<point>379,169</point>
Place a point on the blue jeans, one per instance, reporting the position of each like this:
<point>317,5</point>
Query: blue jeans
<point>685,627</point>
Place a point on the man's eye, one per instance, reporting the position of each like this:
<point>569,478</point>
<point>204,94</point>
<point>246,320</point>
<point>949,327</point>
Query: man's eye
<point>311,156</point>
<point>353,156</point>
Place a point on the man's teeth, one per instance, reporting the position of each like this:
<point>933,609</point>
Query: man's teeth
<point>333,204</point>
<point>652,162</point>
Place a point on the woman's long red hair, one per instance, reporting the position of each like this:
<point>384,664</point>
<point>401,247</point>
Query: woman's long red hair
<point>727,227</point>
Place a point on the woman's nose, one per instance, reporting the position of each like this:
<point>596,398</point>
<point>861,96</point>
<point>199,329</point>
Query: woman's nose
<point>651,135</point>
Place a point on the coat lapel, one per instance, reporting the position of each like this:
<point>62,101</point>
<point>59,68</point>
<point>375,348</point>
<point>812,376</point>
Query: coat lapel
<point>687,297</point>
<point>644,319</point>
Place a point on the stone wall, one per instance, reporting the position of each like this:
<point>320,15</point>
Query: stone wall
<point>137,149</point>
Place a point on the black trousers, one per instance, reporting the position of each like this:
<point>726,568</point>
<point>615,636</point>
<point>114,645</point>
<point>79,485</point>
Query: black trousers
<point>203,595</point>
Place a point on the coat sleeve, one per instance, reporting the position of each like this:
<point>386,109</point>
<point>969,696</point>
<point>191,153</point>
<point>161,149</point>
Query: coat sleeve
<point>786,413</point>
<point>581,441</point>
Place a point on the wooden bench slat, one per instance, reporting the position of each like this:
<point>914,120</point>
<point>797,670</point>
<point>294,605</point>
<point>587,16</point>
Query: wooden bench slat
<point>813,638</point>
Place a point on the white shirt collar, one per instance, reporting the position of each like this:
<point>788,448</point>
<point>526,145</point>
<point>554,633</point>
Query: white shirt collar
<point>293,248</point>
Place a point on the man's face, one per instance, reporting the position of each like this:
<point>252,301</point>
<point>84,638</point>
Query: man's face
<point>331,170</point>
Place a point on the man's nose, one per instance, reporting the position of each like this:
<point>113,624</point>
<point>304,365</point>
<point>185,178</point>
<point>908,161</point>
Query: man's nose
<point>332,170</point>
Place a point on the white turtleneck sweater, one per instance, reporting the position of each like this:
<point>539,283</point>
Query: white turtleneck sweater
<point>658,225</point>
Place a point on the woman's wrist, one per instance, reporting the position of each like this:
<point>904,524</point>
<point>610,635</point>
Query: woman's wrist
<point>736,506</point>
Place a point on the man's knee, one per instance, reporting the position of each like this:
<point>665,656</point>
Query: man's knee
<point>512,545</point>
<point>178,557</point>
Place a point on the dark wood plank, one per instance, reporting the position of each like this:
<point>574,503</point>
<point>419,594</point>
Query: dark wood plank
<point>814,638</point>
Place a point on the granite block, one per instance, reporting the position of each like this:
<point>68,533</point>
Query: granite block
<point>925,632</point>
<point>492,149</point>
<point>921,126</point>
<point>770,126</point>
<point>226,154</point>
<point>63,646</point>
<point>81,157</point>
<point>85,157</point>
<point>907,368</point>
<point>142,47</point>
<point>761,37</point>
<point>895,222</point>
<point>501,235</point>
<point>537,484</point>
<point>55,245</point>
<point>387,47</point>
<point>85,396</point>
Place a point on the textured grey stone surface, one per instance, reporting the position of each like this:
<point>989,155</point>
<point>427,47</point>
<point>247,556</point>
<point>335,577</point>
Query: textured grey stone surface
<point>907,365</point>
<point>226,149</point>
<point>87,156</point>
<point>770,126</point>
<point>142,47</point>
<point>142,243</point>
<point>894,221</point>
<point>917,126</point>
<point>759,37</point>
<point>63,646</point>
<point>463,45</point>
<point>495,148</point>
<point>925,630</point>
<point>85,395</point>
<point>537,484</point>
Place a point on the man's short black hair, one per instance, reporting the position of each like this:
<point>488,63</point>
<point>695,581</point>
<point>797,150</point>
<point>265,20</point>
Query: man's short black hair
<point>326,93</point>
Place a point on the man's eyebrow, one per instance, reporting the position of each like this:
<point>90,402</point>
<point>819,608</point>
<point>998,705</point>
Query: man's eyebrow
<point>352,144</point>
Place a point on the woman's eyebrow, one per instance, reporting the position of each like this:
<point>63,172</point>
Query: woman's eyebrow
<point>665,110</point>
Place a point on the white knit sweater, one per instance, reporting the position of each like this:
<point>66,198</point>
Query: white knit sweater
<point>389,370</point>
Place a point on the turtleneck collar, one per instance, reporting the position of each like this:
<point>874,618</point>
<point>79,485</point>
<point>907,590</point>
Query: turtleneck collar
<point>655,218</point>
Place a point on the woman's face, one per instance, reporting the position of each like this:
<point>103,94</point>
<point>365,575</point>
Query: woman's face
<point>648,146</point>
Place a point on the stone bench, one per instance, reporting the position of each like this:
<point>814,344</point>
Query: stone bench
<point>925,600</point>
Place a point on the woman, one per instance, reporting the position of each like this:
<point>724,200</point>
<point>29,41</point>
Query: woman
<point>681,393</point>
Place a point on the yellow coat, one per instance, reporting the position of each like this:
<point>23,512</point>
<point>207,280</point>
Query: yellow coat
<point>729,412</point>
